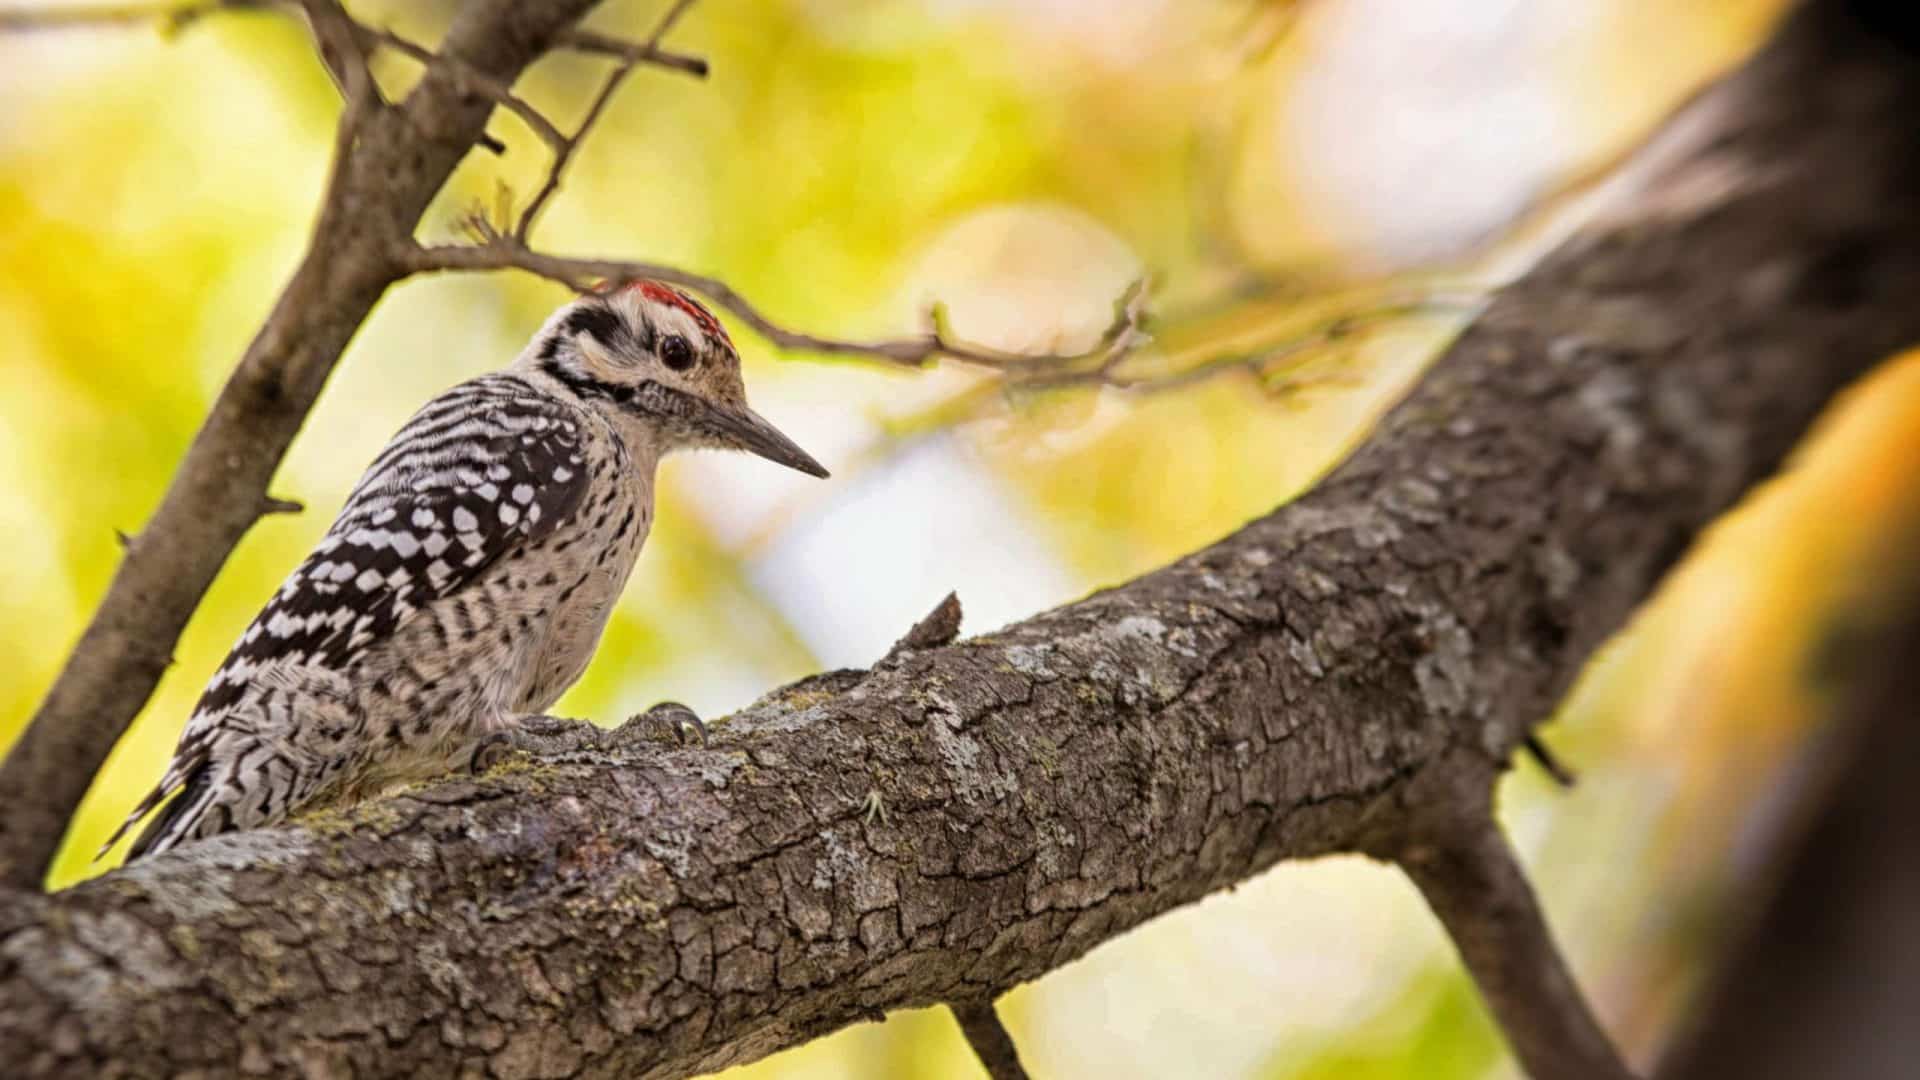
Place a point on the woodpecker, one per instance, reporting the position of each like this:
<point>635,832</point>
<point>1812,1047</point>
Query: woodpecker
<point>467,580</point>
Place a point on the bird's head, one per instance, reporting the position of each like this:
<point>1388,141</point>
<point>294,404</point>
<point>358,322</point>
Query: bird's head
<point>646,353</point>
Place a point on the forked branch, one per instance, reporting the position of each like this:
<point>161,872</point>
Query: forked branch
<point>1454,850</point>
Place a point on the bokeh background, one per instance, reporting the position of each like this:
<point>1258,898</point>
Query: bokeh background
<point>1020,161</point>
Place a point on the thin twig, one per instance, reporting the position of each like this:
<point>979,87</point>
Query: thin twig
<point>989,1038</point>
<point>472,81</point>
<point>495,251</point>
<point>564,149</point>
<point>1548,761</point>
<point>1267,357</point>
<point>336,39</point>
<point>595,43</point>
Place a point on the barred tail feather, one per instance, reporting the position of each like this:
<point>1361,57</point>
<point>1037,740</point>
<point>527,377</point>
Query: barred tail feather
<point>179,819</point>
<point>187,787</point>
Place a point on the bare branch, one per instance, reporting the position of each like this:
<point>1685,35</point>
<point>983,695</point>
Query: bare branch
<point>477,82</point>
<point>1275,361</point>
<point>336,39</point>
<point>991,1042</point>
<point>1455,852</point>
<point>1103,364</point>
<point>495,251</point>
<point>595,43</point>
<point>1821,973</point>
<point>564,149</point>
<point>1549,762</point>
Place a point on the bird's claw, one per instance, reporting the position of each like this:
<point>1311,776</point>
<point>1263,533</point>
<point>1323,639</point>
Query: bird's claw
<point>541,736</point>
<point>676,718</point>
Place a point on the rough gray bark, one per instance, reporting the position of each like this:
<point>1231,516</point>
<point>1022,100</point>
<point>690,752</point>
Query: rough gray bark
<point>970,816</point>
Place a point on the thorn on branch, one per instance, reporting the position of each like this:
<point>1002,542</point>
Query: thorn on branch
<point>125,541</point>
<point>939,627</point>
<point>1541,753</point>
<point>273,505</point>
<point>989,1038</point>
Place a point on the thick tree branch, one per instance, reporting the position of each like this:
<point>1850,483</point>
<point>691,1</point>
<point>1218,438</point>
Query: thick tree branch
<point>391,161</point>
<point>1303,687</point>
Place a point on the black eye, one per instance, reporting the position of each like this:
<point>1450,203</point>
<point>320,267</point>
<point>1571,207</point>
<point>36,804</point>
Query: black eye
<point>676,353</point>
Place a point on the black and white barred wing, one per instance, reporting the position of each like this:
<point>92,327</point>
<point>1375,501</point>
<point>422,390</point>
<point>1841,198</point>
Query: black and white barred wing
<point>478,473</point>
<point>482,470</point>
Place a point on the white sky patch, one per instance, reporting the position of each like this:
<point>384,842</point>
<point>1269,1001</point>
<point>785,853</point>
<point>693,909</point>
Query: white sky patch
<point>1416,128</point>
<point>856,575</point>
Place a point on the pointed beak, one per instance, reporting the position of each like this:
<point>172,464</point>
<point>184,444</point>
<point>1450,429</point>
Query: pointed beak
<point>749,431</point>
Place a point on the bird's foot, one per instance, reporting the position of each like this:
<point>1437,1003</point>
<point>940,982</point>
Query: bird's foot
<point>667,718</point>
<point>540,736</point>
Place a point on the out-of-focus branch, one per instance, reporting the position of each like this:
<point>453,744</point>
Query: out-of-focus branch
<point>1276,362</point>
<point>477,82</point>
<point>495,250</point>
<point>990,1040</point>
<point>563,151</point>
<point>1824,978</point>
<point>336,39</point>
<point>1453,849</point>
<point>599,44</point>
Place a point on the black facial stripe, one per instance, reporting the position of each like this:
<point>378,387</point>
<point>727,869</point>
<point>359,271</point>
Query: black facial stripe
<point>597,322</point>
<point>581,385</point>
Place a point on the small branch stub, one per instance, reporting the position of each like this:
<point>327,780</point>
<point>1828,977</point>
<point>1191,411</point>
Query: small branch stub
<point>991,1042</point>
<point>940,627</point>
<point>1548,761</point>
